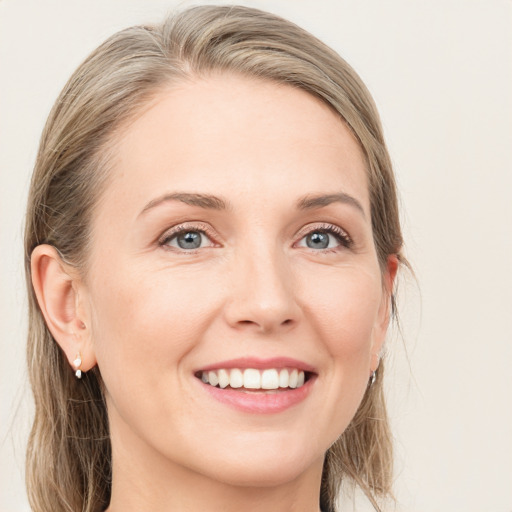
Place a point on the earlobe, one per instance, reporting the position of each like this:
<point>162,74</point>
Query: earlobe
<point>56,285</point>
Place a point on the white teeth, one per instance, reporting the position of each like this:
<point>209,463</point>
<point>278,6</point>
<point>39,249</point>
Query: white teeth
<point>283,378</point>
<point>236,378</point>
<point>251,378</point>
<point>223,378</point>
<point>213,379</point>
<point>269,379</point>
<point>293,379</point>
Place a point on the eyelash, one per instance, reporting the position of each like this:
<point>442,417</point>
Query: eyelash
<point>175,231</point>
<point>331,229</point>
<point>339,234</point>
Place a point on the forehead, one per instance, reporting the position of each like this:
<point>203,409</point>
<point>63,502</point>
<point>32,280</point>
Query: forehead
<point>229,134</point>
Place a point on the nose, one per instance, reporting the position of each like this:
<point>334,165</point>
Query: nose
<point>262,293</point>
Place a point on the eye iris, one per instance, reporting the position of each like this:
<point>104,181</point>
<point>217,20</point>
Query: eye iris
<point>317,240</point>
<point>189,240</point>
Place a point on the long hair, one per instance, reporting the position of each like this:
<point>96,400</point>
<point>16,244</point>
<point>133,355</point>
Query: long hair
<point>69,452</point>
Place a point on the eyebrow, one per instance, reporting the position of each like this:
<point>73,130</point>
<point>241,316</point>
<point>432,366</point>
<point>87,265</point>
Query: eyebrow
<point>310,202</point>
<point>206,201</point>
<point>211,202</point>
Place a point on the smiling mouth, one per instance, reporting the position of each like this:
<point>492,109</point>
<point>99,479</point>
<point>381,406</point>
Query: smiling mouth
<point>252,379</point>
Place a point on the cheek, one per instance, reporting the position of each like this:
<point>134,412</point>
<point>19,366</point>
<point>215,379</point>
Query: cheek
<point>344,305</point>
<point>144,324</point>
<point>345,309</point>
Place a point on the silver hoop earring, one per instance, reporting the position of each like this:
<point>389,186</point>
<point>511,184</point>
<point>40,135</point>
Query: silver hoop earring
<point>373,378</point>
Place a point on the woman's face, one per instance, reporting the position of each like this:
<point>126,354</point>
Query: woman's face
<point>234,244</point>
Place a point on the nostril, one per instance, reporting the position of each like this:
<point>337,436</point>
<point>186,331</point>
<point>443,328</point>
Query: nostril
<point>246,322</point>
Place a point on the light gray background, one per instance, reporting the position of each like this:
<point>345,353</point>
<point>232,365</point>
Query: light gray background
<point>441,74</point>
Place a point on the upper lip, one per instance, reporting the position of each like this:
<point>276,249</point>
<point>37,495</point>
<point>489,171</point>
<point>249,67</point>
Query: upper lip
<point>260,364</point>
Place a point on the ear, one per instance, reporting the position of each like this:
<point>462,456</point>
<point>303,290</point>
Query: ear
<point>58,289</point>
<point>384,313</point>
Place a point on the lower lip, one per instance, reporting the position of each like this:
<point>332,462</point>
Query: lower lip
<point>260,402</point>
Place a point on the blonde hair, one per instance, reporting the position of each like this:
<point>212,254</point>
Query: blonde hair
<point>69,453</point>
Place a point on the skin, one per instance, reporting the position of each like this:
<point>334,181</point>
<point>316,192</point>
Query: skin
<point>150,314</point>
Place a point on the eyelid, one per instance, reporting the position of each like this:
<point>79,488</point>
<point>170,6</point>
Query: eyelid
<point>344,238</point>
<point>184,227</point>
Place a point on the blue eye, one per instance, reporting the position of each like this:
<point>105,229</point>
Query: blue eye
<point>325,238</point>
<point>188,240</point>
<point>318,240</point>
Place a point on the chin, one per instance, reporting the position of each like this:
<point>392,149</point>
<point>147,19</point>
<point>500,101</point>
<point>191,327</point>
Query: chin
<point>279,471</point>
<point>266,462</point>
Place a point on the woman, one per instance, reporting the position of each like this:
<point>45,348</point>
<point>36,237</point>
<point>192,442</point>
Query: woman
<point>211,245</point>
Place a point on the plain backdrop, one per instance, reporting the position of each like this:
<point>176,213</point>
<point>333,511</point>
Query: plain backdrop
<point>441,74</point>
